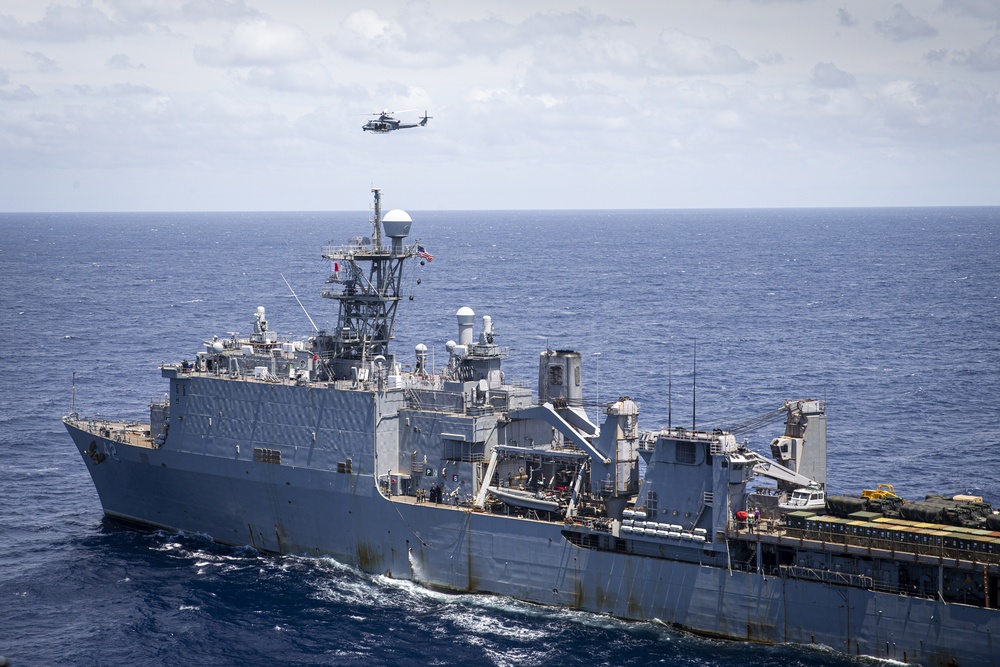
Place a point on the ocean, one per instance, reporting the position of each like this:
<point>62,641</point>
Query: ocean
<point>710,317</point>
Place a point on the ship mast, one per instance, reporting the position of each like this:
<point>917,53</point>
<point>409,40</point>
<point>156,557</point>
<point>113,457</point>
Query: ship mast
<point>370,276</point>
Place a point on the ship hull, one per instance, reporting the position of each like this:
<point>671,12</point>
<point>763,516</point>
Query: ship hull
<point>297,510</point>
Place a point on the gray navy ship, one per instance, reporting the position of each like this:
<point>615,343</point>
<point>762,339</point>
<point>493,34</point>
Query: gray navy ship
<point>460,479</point>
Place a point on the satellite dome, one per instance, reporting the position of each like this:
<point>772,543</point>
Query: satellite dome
<point>465,315</point>
<point>396,223</point>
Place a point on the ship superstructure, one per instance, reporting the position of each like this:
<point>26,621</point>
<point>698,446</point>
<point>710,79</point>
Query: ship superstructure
<point>459,479</point>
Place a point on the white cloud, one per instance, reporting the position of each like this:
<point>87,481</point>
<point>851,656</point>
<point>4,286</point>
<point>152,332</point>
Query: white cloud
<point>295,77</point>
<point>902,26</point>
<point>66,23</point>
<point>730,120</point>
<point>120,61</point>
<point>828,75</point>
<point>363,33</point>
<point>42,63</point>
<point>158,11</point>
<point>418,38</point>
<point>20,94</point>
<point>586,45</point>
<point>935,56</point>
<point>258,42</point>
<point>920,114</point>
<point>115,90</point>
<point>984,59</point>
<point>845,19</point>
<point>682,54</point>
<point>987,10</point>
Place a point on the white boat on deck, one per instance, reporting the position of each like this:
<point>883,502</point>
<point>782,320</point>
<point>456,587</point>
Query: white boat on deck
<point>805,499</point>
<point>526,499</point>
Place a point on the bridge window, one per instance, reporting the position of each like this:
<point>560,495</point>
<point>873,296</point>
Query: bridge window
<point>651,504</point>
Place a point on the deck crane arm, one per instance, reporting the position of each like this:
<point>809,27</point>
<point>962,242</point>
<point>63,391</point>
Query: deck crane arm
<point>768,468</point>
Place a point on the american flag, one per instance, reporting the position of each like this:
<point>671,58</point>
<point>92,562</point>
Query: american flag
<point>423,254</point>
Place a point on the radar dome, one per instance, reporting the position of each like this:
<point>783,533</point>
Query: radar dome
<point>396,223</point>
<point>465,316</point>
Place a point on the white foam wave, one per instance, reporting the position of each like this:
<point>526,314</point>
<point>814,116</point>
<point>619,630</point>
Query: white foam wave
<point>519,657</point>
<point>483,624</point>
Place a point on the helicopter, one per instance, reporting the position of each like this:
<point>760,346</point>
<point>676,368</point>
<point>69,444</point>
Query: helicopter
<point>386,123</point>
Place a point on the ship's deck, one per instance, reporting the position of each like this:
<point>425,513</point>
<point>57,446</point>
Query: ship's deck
<point>130,433</point>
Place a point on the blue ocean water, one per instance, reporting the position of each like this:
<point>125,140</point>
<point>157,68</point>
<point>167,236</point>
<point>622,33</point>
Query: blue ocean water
<point>890,315</point>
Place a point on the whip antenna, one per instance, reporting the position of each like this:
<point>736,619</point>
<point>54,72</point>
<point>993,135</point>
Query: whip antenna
<point>315,328</point>
<point>670,381</point>
<point>694,384</point>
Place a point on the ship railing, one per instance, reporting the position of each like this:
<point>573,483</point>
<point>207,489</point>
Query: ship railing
<point>351,250</point>
<point>488,351</point>
<point>647,439</point>
<point>855,580</point>
<point>681,433</point>
<point>955,548</point>
<point>420,381</point>
<point>433,401</point>
<point>387,294</point>
<point>827,576</point>
<point>564,446</point>
<point>913,591</point>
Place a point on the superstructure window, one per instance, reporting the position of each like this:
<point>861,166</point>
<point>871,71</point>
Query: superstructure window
<point>686,452</point>
<point>651,504</point>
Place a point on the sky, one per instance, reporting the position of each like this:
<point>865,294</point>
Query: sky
<point>224,105</point>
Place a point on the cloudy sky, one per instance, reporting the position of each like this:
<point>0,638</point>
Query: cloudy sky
<point>122,105</point>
